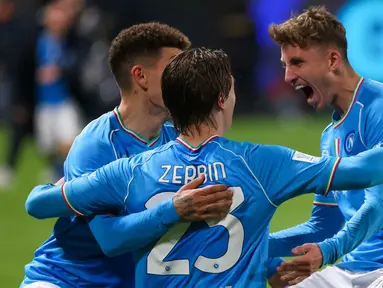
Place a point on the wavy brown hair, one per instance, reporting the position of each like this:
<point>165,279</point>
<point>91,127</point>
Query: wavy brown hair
<point>315,26</point>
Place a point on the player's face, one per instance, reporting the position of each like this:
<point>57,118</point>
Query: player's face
<point>229,106</point>
<point>154,74</point>
<point>308,70</point>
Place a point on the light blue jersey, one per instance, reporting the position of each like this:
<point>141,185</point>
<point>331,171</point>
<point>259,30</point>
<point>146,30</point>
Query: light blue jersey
<point>230,252</point>
<point>359,130</point>
<point>71,257</point>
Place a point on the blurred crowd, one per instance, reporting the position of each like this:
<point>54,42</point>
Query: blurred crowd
<point>54,74</point>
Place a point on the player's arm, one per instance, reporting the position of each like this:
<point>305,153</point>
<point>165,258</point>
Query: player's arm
<point>85,156</point>
<point>134,231</point>
<point>285,173</point>
<point>273,276</point>
<point>102,191</point>
<point>365,223</point>
<point>367,167</point>
<point>118,235</point>
<point>325,221</point>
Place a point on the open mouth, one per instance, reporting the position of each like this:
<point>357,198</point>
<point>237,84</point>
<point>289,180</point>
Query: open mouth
<point>307,90</point>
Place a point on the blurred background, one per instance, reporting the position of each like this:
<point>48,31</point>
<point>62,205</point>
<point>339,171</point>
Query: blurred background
<point>70,72</point>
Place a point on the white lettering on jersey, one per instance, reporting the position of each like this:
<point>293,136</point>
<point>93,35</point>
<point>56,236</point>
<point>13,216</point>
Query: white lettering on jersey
<point>162,178</point>
<point>176,177</point>
<point>184,174</point>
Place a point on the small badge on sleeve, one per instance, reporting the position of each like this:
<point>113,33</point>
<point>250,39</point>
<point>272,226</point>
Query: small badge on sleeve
<point>299,156</point>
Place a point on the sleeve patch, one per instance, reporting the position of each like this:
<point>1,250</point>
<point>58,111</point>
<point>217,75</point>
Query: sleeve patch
<point>299,156</point>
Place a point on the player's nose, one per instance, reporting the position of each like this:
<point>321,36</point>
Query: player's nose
<point>290,76</point>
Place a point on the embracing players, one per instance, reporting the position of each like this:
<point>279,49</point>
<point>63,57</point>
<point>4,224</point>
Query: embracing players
<point>74,255</point>
<point>198,90</point>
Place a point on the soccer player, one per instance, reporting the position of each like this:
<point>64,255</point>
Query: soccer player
<point>314,54</point>
<point>198,90</point>
<point>72,257</point>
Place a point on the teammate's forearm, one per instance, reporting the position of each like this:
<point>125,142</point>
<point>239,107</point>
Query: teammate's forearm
<point>359,228</point>
<point>325,221</point>
<point>94,194</point>
<point>131,232</point>
<point>281,243</point>
<point>46,201</point>
<point>76,197</point>
<point>359,172</point>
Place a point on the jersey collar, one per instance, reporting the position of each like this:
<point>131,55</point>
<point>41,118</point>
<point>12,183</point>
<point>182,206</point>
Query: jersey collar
<point>133,133</point>
<point>336,119</point>
<point>195,148</point>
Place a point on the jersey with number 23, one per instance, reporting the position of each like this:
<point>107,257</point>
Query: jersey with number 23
<point>222,253</point>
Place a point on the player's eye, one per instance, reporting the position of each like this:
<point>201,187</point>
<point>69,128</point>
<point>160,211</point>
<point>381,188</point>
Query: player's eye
<point>296,62</point>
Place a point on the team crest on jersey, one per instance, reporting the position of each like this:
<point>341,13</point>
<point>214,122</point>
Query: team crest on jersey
<point>349,142</point>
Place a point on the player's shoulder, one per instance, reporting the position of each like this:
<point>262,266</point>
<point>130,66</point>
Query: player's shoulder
<point>248,152</point>
<point>169,129</point>
<point>147,157</point>
<point>99,128</point>
<point>254,151</point>
<point>169,126</point>
<point>371,96</point>
<point>372,103</point>
<point>326,133</point>
<point>234,147</point>
<point>95,135</point>
<point>327,128</point>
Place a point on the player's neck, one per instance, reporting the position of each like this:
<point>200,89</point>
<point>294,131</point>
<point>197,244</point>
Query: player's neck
<point>197,136</point>
<point>347,84</point>
<point>138,118</point>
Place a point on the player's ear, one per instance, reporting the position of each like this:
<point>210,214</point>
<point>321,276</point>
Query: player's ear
<point>138,75</point>
<point>334,60</point>
<point>221,103</point>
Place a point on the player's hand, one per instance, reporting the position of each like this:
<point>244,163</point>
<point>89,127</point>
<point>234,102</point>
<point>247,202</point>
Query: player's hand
<point>289,278</point>
<point>299,268</point>
<point>196,204</point>
<point>275,281</point>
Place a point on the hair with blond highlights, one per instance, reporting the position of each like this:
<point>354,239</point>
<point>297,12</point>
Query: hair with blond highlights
<point>315,26</point>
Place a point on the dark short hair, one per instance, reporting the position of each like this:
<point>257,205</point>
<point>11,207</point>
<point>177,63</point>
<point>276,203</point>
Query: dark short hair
<point>193,83</point>
<point>141,41</point>
<point>315,26</point>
